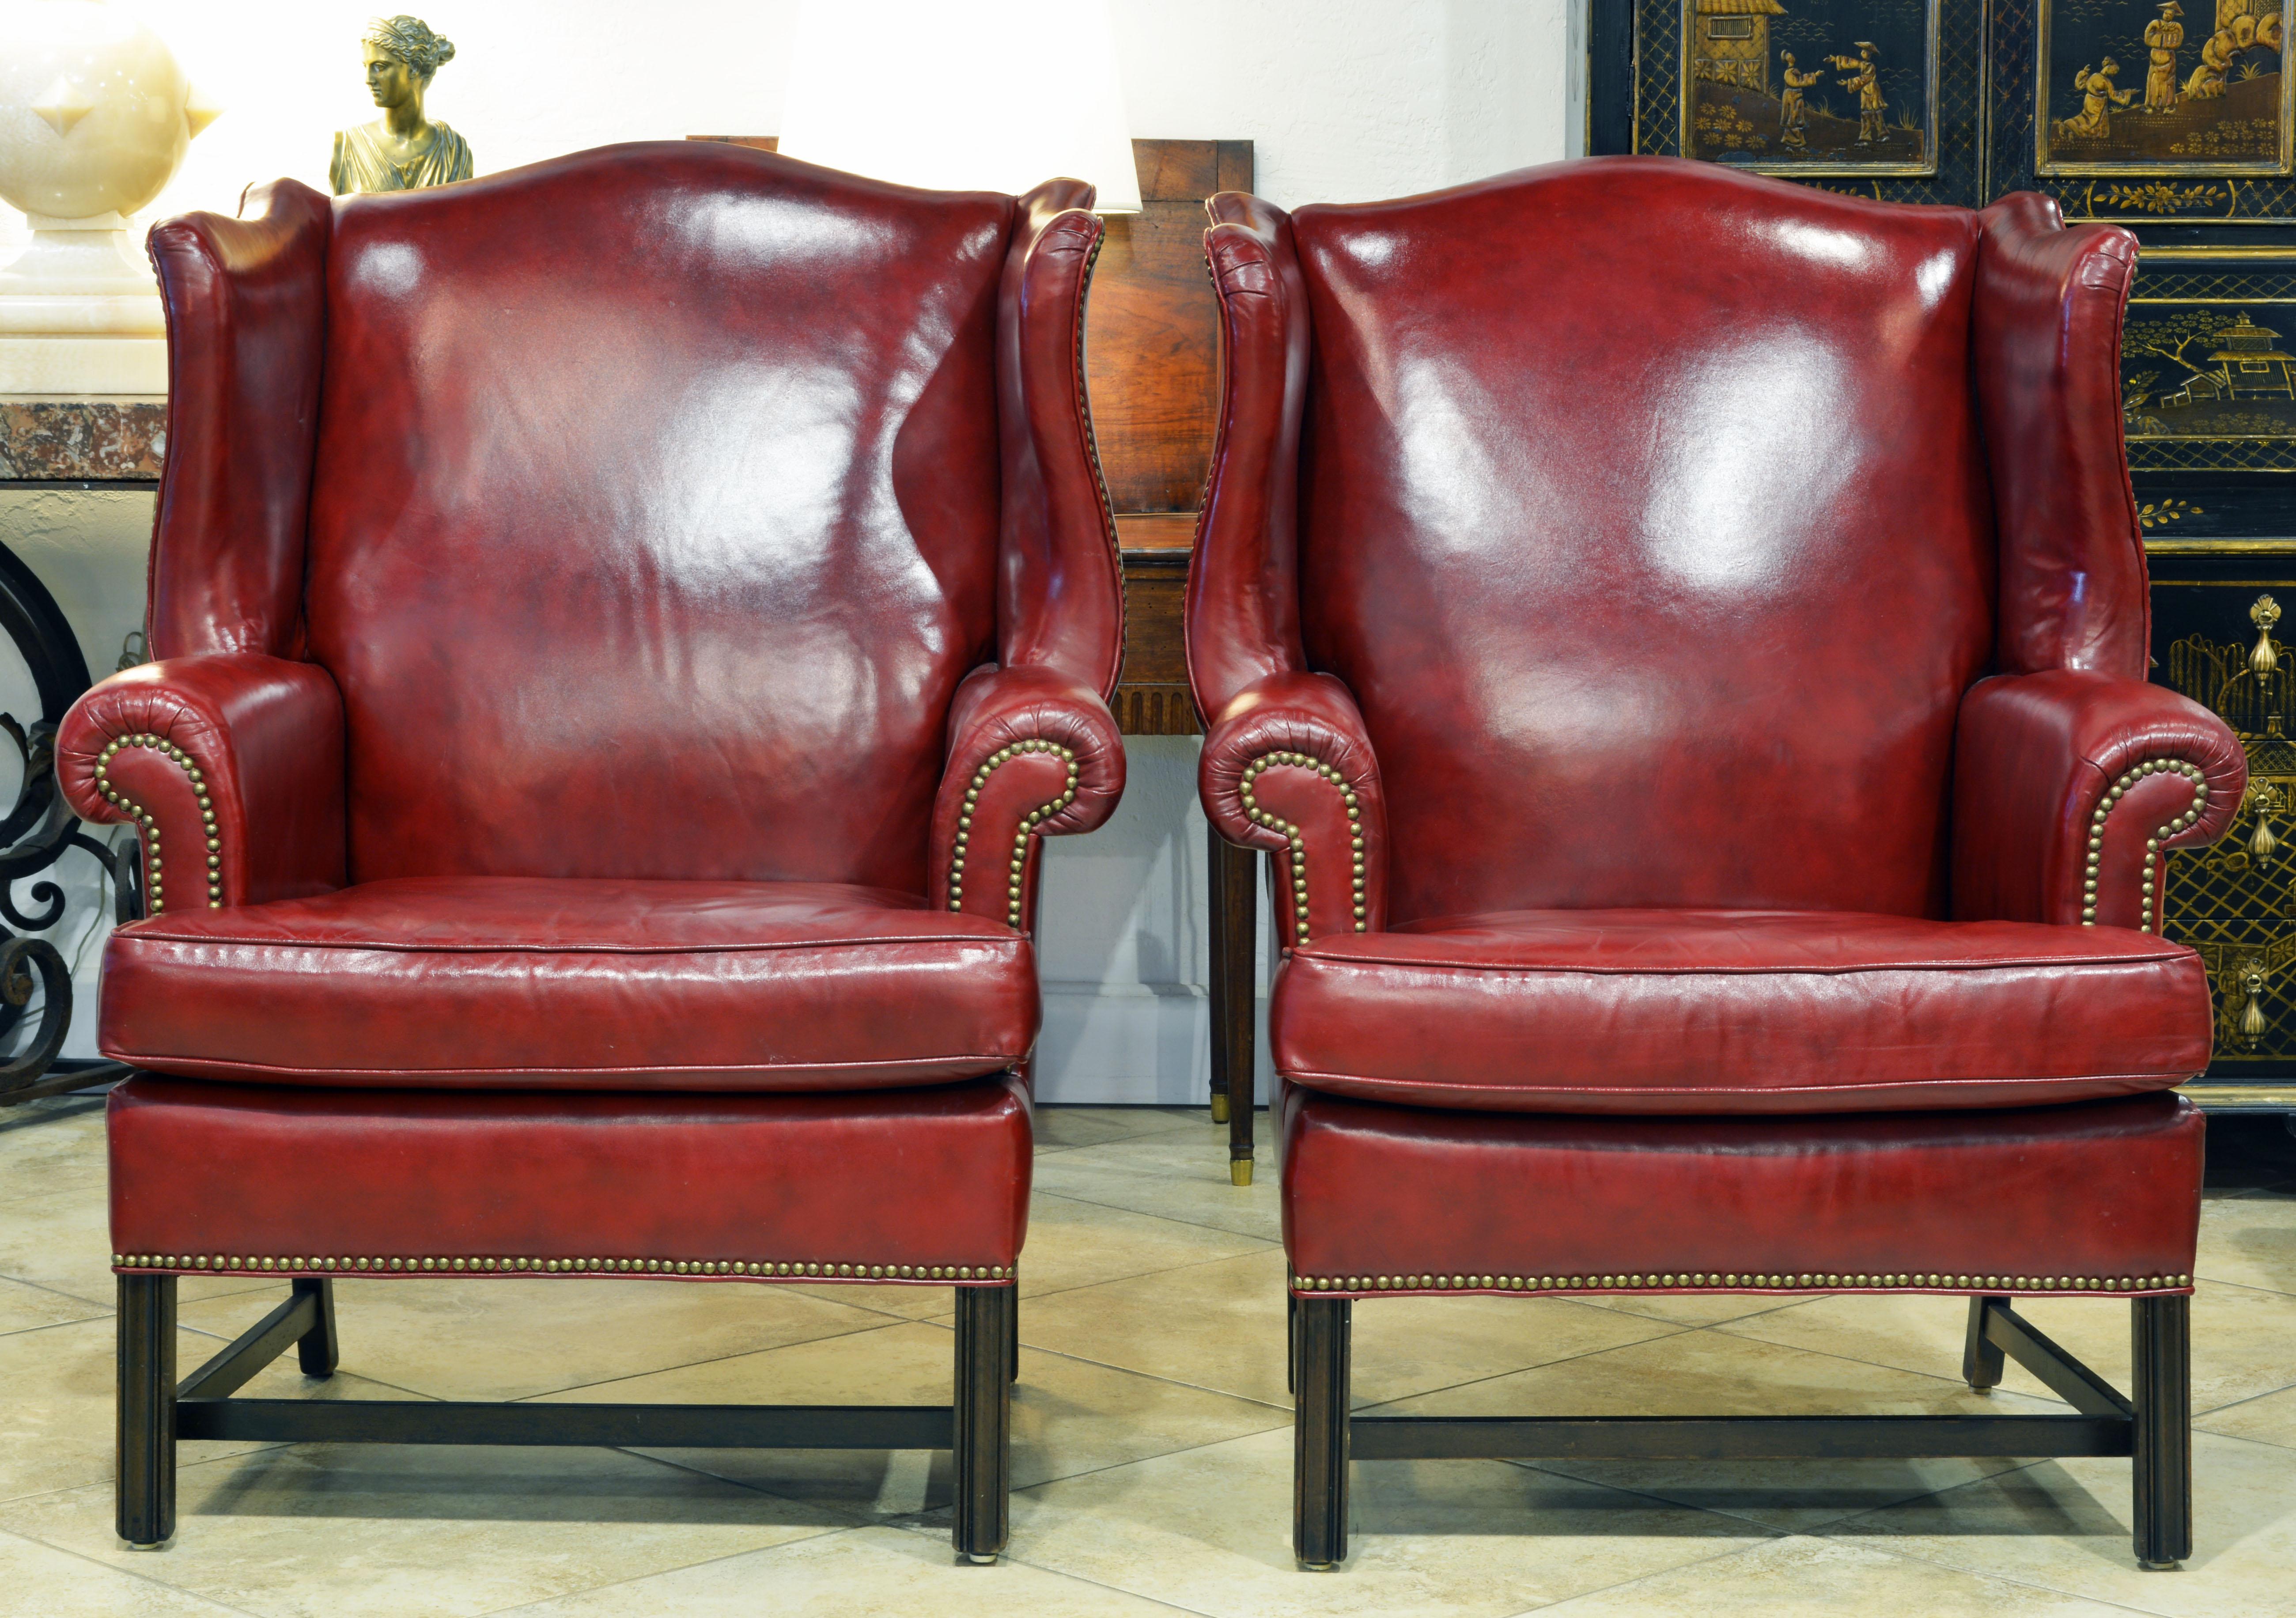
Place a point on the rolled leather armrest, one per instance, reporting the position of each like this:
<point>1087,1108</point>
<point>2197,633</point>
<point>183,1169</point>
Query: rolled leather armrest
<point>1288,767</point>
<point>230,765</point>
<point>1032,754</point>
<point>2068,787</point>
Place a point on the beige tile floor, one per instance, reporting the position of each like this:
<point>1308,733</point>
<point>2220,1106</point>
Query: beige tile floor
<point>1151,1449</point>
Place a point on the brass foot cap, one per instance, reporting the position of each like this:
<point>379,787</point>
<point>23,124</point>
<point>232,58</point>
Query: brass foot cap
<point>2159,1567</point>
<point>979,1560</point>
<point>1317,1567</point>
<point>154,1545</point>
<point>1219,1109</point>
<point>1240,1170</point>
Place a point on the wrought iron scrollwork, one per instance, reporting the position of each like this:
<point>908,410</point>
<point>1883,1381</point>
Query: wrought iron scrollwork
<point>38,830</point>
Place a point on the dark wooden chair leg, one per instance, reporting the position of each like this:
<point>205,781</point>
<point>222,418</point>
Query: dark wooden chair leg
<point>318,1350</point>
<point>1013,1334</point>
<point>1219,941</point>
<point>1234,1000</point>
<point>146,1478</point>
<point>1319,1435</point>
<point>2161,1330</point>
<point>1291,1341</point>
<point>1982,1361</point>
<point>984,1420</point>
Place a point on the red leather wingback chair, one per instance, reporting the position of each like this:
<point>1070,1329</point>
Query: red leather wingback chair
<point>1682,636</point>
<point>621,627</point>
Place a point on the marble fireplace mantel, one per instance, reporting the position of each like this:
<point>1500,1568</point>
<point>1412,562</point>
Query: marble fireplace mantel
<point>83,438</point>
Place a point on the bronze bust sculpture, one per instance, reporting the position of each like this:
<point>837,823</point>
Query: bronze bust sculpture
<point>401,151</point>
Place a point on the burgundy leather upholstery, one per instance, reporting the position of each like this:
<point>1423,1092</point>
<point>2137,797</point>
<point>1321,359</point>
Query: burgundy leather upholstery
<point>246,330</point>
<point>393,1182</point>
<point>581,659</point>
<point>1608,648</point>
<point>598,606</point>
<point>2100,1197</point>
<point>2067,785</point>
<point>522,982</point>
<point>1737,1011</point>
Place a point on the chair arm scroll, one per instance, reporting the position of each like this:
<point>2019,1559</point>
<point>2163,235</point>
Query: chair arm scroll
<point>2069,785</point>
<point>230,764</point>
<point>1032,753</point>
<point>1288,767</point>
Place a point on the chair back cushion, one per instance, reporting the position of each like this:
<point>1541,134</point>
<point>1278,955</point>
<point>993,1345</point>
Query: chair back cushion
<point>1643,509</point>
<point>655,517</point>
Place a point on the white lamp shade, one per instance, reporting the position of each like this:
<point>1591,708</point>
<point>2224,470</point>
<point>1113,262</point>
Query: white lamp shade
<point>962,94</point>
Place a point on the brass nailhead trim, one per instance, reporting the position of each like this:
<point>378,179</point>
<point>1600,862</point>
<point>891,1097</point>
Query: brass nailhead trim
<point>1029,824</point>
<point>2151,767</point>
<point>303,1264</point>
<point>141,818</point>
<point>1738,1282</point>
<point>1258,816</point>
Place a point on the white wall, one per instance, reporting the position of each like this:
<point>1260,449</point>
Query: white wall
<point>1343,99</point>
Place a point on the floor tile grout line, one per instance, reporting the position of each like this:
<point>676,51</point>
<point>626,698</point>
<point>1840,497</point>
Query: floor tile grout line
<point>1719,1556</point>
<point>1175,1219</point>
<point>1816,1531</point>
<point>1082,1202</point>
<point>1061,1572</point>
<point>57,1292</point>
<point>2022,1583</point>
<point>607,1381</point>
<point>48,1325</point>
<point>1157,1377</point>
<point>1452,1387</point>
<point>129,1573</point>
<point>664,1572</point>
<point>1722,1327</point>
<point>1880,1365</point>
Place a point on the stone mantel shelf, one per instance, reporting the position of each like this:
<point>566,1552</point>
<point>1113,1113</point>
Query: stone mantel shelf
<point>85,438</point>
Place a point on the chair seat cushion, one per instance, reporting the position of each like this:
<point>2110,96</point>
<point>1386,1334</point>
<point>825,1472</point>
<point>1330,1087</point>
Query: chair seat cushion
<point>512,982</point>
<point>1716,1011</point>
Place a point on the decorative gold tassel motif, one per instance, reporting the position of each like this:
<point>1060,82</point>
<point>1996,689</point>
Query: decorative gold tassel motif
<point>2250,975</point>
<point>2262,799</point>
<point>2266,659</point>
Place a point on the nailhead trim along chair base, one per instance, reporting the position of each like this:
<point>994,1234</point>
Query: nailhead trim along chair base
<point>194,1263</point>
<point>2154,1427</point>
<point>1367,1286</point>
<point>155,1410</point>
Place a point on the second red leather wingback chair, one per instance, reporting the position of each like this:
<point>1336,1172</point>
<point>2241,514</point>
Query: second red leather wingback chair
<point>1682,636</point>
<point>622,627</point>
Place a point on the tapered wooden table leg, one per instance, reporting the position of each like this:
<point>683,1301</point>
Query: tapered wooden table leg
<point>1234,882</point>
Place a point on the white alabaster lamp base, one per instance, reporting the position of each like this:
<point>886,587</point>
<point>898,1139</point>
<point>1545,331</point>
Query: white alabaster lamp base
<point>79,315</point>
<point>94,117</point>
<point>60,367</point>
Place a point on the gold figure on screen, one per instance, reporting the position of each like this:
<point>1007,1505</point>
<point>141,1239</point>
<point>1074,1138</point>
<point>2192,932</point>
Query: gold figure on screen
<point>2162,37</point>
<point>401,151</point>
<point>1793,111</point>
<point>1864,70</point>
